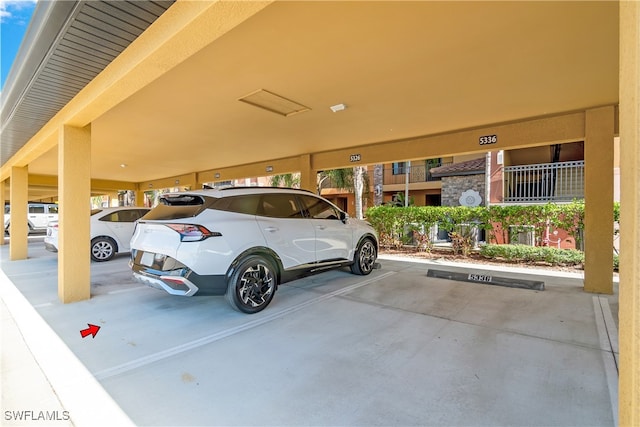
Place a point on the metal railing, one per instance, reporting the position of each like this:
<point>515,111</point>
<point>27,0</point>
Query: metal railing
<point>417,173</point>
<point>544,182</point>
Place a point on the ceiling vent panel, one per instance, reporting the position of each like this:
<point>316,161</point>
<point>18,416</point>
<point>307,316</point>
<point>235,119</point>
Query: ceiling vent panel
<point>275,103</point>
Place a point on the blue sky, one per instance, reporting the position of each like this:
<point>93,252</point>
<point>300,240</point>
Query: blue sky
<point>14,20</point>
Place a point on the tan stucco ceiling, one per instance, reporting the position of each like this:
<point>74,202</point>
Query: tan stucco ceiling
<point>404,69</point>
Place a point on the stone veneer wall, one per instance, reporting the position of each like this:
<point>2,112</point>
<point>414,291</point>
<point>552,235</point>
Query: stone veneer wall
<point>378,182</point>
<point>454,186</point>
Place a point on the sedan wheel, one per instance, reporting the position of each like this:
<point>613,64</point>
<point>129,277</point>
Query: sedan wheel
<point>365,258</point>
<point>102,249</point>
<point>252,285</point>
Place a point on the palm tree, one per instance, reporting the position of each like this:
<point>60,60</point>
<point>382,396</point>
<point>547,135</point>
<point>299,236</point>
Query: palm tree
<point>358,183</point>
<point>350,179</point>
<point>339,178</point>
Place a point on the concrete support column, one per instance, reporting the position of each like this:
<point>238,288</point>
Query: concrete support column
<point>629,298</point>
<point>74,177</point>
<point>598,197</point>
<point>308,176</point>
<point>114,200</point>
<point>139,198</point>
<point>3,199</point>
<point>19,201</point>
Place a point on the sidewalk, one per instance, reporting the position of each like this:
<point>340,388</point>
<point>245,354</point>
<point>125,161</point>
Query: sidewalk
<point>27,395</point>
<point>43,382</point>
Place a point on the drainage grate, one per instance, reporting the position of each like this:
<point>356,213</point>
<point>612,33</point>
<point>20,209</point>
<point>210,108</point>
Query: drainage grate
<point>487,279</point>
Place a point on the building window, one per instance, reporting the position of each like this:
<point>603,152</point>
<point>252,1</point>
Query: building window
<point>399,168</point>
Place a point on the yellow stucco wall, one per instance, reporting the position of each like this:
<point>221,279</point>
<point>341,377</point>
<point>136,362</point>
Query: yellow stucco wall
<point>629,312</point>
<point>74,262</point>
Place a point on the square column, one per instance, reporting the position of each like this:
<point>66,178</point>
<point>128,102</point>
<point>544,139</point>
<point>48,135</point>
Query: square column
<point>629,298</point>
<point>74,186</point>
<point>308,176</point>
<point>3,199</point>
<point>18,221</point>
<point>598,198</point>
<point>139,197</point>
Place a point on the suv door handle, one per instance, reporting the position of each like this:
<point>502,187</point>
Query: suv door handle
<point>271,229</point>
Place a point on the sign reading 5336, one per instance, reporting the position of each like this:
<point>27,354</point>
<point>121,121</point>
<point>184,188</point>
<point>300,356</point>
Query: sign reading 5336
<point>488,139</point>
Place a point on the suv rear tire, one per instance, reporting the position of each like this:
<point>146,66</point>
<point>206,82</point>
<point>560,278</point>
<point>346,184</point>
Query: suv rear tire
<point>252,284</point>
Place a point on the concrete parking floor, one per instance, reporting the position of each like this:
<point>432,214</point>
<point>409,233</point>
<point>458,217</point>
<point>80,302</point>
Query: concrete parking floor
<point>393,348</point>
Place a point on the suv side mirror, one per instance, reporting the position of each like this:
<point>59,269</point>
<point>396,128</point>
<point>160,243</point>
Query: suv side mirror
<point>344,216</point>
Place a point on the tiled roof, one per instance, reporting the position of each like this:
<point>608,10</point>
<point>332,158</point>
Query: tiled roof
<point>470,167</point>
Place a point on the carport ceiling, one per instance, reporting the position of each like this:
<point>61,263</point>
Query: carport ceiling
<point>403,69</point>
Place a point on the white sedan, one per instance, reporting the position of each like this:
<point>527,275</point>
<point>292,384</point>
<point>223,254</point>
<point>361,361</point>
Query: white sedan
<point>111,231</point>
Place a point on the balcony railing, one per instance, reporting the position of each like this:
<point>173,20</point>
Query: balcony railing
<point>417,173</point>
<point>546,182</point>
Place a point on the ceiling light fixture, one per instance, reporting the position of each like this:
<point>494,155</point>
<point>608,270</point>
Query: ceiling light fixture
<point>123,165</point>
<point>338,107</point>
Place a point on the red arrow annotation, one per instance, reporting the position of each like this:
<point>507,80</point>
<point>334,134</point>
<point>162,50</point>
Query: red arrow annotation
<point>91,330</point>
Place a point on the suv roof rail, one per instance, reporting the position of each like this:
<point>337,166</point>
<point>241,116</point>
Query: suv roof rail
<point>263,188</point>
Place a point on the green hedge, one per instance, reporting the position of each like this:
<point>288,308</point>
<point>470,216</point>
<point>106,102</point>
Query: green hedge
<point>524,253</point>
<point>395,224</point>
<point>392,223</point>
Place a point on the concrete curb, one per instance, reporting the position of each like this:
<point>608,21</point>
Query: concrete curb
<point>492,267</point>
<point>79,393</point>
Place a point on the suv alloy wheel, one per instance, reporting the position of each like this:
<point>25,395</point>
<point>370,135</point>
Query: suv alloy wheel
<point>252,285</point>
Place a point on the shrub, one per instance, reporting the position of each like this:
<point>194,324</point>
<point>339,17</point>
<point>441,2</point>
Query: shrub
<point>461,242</point>
<point>524,253</point>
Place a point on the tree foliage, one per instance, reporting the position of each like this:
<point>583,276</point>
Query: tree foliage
<point>354,180</point>
<point>290,180</point>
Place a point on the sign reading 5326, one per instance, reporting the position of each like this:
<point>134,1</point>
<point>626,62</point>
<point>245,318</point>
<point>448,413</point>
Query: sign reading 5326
<point>479,277</point>
<point>488,139</point>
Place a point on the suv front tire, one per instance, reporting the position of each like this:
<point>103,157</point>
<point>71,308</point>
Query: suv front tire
<point>364,258</point>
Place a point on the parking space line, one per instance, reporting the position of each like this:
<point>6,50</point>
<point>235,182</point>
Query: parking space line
<point>122,291</point>
<point>164,354</point>
<point>44,304</point>
<point>31,273</point>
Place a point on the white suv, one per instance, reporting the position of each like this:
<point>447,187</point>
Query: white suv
<point>38,216</point>
<point>243,242</point>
